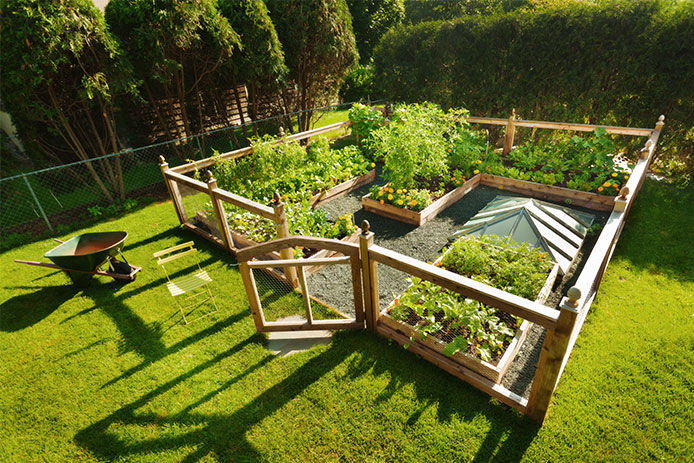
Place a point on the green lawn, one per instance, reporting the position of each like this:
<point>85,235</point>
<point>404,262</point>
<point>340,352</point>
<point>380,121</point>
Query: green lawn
<point>109,373</point>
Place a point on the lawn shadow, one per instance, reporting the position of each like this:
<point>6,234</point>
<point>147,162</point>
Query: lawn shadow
<point>143,338</point>
<point>26,310</point>
<point>224,436</point>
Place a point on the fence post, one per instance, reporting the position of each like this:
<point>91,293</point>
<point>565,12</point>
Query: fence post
<point>369,275</point>
<point>554,348</point>
<point>283,232</point>
<point>510,133</point>
<point>175,194</point>
<point>219,212</point>
<point>38,204</point>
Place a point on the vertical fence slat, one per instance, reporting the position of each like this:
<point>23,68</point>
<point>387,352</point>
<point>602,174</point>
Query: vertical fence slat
<point>283,232</point>
<point>554,349</point>
<point>510,133</point>
<point>369,277</point>
<point>174,193</point>
<point>219,212</point>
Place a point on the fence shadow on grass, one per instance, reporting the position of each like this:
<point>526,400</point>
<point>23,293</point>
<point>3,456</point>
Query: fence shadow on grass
<point>225,436</point>
<point>26,310</point>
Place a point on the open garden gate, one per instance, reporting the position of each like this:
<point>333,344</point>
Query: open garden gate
<point>292,273</point>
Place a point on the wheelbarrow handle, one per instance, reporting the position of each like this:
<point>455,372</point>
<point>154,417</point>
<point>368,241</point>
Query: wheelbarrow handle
<point>59,241</point>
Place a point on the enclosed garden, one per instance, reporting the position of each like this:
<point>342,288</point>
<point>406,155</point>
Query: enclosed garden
<point>488,250</point>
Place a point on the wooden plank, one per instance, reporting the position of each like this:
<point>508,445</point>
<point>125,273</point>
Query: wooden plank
<point>478,381</point>
<point>174,192</point>
<point>554,348</point>
<point>448,199</point>
<point>282,232</point>
<point>342,189</point>
<point>515,305</point>
<point>202,163</point>
<point>634,131</point>
<point>245,203</point>
<point>419,217</point>
<point>550,193</point>
<point>300,262</point>
<point>165,260</point>
<point>252,295</point>
<point>318,131</point>
<point>187,181</point>
<point>292,241</point>
<point>509,134</point>
<point>369,278</point>
<point>304,292</point>
<point>355,267</point>
<point>222,224</point>
<point>349,324</point>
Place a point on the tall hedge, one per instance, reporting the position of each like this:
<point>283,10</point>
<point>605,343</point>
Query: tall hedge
<point>60,71</point>
<point>623,62</point>
<point>319,49</point>
<point>176,47</point>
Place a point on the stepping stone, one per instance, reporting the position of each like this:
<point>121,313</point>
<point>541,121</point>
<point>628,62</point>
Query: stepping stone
<point>290,342</point>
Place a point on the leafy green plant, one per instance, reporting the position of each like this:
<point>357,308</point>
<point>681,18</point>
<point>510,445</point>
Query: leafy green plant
<point>464,324</point>
<point>365,120</point>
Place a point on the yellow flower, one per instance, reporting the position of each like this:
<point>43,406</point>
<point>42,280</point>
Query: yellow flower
<point>390,197</point>
<point>626,177</point>
<point>399,201</point>
<point>408,197</point>
<point>606,184</point>
<point>399,191</point>
<point>404,190</point>
<point>413,203</point>
<point>479,161</point>
<point>373,164</point>
<point>614,174</point>
<point>475,171</point>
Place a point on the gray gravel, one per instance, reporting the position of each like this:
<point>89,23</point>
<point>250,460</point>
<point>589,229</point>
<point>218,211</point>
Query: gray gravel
<point>333,284</point>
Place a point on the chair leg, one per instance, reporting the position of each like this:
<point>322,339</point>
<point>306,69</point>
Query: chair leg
<point>183,314</point>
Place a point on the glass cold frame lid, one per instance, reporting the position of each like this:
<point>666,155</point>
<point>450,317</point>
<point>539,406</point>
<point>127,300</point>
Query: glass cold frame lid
<point>558,230</point>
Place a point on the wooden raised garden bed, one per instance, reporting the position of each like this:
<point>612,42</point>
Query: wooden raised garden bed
<point>426,214</point>
<point>342,189</point>
<point>535,190</point>
<point>493,371</point>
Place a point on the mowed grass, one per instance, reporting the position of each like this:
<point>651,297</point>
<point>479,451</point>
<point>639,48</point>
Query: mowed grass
<point>110,374</point>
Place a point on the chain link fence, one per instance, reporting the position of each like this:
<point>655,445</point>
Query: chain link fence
<point>52,200</point>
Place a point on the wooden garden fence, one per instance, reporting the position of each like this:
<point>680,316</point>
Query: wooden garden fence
<point>562,325</point>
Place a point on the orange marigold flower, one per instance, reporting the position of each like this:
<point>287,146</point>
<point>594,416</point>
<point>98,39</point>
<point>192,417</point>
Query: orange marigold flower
<point>606,184</point>
<point>381,201</point>
<point>599,189</point>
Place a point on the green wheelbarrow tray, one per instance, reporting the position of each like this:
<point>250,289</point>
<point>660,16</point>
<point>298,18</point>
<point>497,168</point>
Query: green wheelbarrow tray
<point>82,256</point>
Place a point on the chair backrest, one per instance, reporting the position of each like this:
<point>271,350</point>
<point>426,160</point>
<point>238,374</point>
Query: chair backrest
<point>176,252</point>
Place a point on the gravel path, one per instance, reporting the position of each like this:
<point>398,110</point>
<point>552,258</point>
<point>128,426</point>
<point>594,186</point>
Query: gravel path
<point>333,284</point>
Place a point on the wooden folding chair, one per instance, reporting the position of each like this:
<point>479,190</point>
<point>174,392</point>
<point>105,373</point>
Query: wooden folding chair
<point>187,287</point>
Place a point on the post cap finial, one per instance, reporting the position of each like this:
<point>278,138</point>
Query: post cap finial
<point>573,294</point>
<point>365,227</point>
<point>513,111</point>
<point>661,118</point>
<point>162,160</point>
<point>276,197</point>
<point>624,192</point>
<point>282,132</point>
<point>210,177</point>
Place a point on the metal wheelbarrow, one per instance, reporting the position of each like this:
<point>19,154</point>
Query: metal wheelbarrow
<point>82,257</point>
